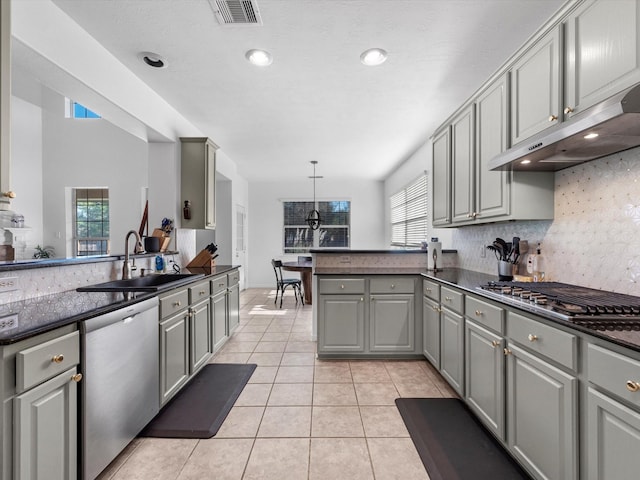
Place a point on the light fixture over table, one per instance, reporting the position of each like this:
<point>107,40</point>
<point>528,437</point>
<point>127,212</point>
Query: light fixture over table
<point>313,219</point>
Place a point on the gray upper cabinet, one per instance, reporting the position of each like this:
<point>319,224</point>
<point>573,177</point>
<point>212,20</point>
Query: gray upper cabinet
<point>492,189</point>
<point>602,58</point>
<point>535,87</point>
<point>463,164</point>
<point>5,103</point>
<point>198,182</point>
<point>441,173</point>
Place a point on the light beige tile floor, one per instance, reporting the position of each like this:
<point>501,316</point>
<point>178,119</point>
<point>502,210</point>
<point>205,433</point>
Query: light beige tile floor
<point>298,417</point>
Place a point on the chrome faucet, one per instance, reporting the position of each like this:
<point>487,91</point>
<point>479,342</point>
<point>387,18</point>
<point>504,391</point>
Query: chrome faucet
<point>126,268</point>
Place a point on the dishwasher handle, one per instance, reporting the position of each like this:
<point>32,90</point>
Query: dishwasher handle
<point>119,315</point>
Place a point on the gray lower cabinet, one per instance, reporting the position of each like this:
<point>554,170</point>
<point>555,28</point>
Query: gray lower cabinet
<point>613,437</point>
<point>219,313</point>
<point>45,430</point>
<point>542,414</point>
<point>233,306</point>
<point>341,323</point>
<point>451,349</point>
<point>613,414</point>
<point>392,323</point>
<point>431,331</point>
<point>200,338</point>
<point>38,407</point>
<point>485,376</point>
<point>174,355</point>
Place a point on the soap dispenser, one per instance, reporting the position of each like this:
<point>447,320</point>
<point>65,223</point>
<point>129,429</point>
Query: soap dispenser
<point>538,265</point>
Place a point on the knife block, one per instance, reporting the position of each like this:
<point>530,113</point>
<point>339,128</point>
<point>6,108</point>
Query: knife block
<point>202,263</point>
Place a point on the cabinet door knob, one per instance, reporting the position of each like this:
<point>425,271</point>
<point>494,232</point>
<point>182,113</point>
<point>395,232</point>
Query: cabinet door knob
<point>553,118</point>
<point>9,194</point>
<point>176,304</point>
<point>448,299</point>
<point>77,377</point>
<point>507,351</point>
<point>362,299</point>
<point>568,110</point>
<point>393,286</point>
<point>495,343</point>
<point>57,358</point>
<point>633,386</point>
<point>532,337</point>
<point>479,313</point>
<point>342,286</point>
<point>427,290</point>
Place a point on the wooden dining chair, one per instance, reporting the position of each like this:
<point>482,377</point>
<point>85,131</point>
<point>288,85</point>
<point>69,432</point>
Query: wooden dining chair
<point>283,283</point>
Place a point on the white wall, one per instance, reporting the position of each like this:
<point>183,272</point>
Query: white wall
<point>26,170</point>
<point>265,212</point>
<point>412,168</point>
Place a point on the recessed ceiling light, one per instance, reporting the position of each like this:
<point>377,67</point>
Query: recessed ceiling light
<point>589,136</point>
<point>261,58</point>
<point>153,59</point>
<point>525,162</point>
<point>373,57</point>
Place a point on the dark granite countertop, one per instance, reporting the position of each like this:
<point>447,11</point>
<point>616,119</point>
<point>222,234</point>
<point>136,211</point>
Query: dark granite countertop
<point>344,251</point>
<point>40,314</point>
<point>469,280</point>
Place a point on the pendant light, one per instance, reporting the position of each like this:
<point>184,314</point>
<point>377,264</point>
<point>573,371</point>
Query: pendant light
<point>313,218</point>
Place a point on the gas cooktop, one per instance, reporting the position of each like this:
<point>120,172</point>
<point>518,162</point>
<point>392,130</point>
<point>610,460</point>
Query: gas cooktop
<point>594,309</point>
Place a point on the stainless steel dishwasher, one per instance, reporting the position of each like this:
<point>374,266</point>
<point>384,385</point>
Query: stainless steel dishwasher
<point>120,389</point>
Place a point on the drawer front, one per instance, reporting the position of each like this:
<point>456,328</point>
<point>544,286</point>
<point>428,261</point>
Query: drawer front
<point>199,291</point>
<point>548,341</point>
<point>218,284</point>
<point>484,313</point>
<point>173,303</point>
<point>341,285</point>
<point>39,363</point>
<point>451,299</point>
<point>614,372</point>
<point>431,289</point>
<point>234,278</point>
<point>392,285</point>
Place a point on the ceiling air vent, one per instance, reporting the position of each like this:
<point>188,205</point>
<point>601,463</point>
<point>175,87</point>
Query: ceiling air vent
<point>236,12</point>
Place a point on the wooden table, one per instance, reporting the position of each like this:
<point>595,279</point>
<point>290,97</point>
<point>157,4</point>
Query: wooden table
<point>305,274</point>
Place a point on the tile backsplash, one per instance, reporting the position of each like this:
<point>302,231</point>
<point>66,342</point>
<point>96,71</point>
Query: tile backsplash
<point>594,239</point>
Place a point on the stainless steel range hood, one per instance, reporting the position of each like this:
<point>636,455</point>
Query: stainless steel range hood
<point>615,121</point>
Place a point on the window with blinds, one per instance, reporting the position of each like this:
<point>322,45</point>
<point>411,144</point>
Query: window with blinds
<point>334,231</point>
<point>409,218</point>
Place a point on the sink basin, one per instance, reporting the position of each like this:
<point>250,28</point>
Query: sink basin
<point>149,283</point>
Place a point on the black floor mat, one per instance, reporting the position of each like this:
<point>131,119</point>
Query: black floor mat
<point>200,408</point>
<point>452,444</point>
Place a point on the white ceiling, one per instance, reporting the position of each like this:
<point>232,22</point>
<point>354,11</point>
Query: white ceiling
<point>316,101</point>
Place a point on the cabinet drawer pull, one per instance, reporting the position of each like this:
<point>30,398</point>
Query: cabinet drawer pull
<point>77,377</point>
<point>362,299</point>
<point>553,118</point>
<point>57,358</point>
<point>448,299</point>
<point>176,304</point>
<point>479,313</point>
<point>532,337</point>
<point>202,292</point>
<point>495,343</point>
<point>393,286</point>
<point>427,290</point>
<point>568,110</point>
<point>342,286</point>
<point>633,386</point>
<point>507,351</point>
<point>9,194</point>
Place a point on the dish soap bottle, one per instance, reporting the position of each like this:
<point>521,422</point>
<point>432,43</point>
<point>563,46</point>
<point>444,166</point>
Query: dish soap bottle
<point>538,265</point>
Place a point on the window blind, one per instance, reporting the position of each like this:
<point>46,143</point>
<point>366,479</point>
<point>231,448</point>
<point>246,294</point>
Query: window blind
<point>409,219</point>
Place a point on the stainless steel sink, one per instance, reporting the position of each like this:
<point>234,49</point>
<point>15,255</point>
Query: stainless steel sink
<point>149,283</point>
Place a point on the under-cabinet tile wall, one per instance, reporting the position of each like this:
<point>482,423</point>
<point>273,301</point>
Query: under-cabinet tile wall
<point>594,239</point>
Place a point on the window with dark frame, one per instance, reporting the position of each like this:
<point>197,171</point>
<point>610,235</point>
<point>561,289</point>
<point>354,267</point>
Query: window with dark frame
<point>334,231</point>
<point>91,221</point>
<point>409,214</point>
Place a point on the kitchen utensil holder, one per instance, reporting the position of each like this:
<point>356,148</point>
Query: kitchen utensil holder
<point>505,271</point>
<point>202,263</point>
